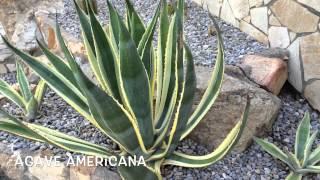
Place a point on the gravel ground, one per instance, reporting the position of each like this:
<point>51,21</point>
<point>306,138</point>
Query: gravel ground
<point>197,22</point>
<point>254,163</point>
<point>251,164</point>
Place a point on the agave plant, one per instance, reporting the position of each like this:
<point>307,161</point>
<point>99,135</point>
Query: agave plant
<point>142,99</point>
<point>303,161</point>
<point>24,98</point>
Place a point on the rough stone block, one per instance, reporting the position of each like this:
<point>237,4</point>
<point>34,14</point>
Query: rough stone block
<point>269,73</point>
<point>229,107</point>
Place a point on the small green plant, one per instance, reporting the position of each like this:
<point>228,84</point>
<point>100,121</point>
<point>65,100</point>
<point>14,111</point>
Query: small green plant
<point>24,98</point>
<point>142,98</point>
<point>303,161</point>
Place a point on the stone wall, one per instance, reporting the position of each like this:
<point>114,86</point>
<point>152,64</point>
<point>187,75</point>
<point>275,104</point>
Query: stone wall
<point>290,24</point>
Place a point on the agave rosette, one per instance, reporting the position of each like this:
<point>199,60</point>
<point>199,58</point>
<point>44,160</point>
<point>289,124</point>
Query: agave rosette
<point>303,161</point>
<point>142,98</point>
<point>28,101</point>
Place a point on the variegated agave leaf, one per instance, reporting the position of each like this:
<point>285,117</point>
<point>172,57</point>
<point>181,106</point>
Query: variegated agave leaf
<point>303,161</point>
<point>24,98</point>
<point>84,6</point>
<point>143,97</point>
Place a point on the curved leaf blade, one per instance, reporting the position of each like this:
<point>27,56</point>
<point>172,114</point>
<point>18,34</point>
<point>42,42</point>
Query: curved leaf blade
<point>85,26</point>
<point>56,81</point>
<point>59,65</point>
<point>111,117</point>
<point>293,162</point>
<point>302,136</point>
<point>31,108</point>
<point>14,126</point>
<point>70,143</point>
<point>175,55</point>
<point>104,56</point>
<point>23,83</point>
<point>185,107</point>
<point>89,44</point>
<point>212,90</point>
<point>145,48</point>
<point>137,28</point>
<point>307,150</point>
<point>314,157</point>
<point>310,169</point>
<point>107,113</point>
<point>162,40</point>
<point>168,74</point>
<point>272,149</point>
<point>294,176</point>
<point>135,86</point>
<point>114,25</point>
<point>10,93</point>
<point>42,134</point>
<point>40,91</point>
<point>223,149</point>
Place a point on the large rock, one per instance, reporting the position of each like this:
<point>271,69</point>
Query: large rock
<point>7,165</point>
<point>39,24</point>
<point>19,19</point>
<point>56,171</point>
<point>24,36</point>
<point>229,106</point>
<point>269,73</point>
<point>13,11</point>
<point>294,16</point>
<point>47,26</point>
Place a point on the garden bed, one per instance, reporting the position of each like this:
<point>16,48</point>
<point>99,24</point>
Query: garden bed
<point>251,164</point>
